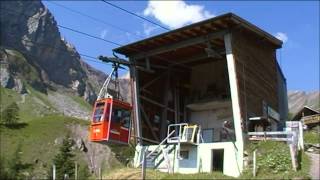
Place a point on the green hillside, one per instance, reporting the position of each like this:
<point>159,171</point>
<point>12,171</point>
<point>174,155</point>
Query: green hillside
<point>39,132</point>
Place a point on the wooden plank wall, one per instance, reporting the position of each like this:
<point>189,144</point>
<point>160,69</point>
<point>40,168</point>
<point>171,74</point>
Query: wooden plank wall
<point>256,71</point>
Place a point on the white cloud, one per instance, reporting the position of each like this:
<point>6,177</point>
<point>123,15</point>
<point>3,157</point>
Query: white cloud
<point>103,33</point>
<point>148,29</point>
<point>176,13</point>
<point>129,37</point>
<point>282,36</point>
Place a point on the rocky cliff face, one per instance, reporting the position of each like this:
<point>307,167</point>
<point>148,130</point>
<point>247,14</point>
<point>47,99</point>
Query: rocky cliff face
<point>29,28</point>
<point>298,99</point>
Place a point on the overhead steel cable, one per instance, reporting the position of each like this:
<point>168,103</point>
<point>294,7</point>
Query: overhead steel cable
<point>95,19</point>
<point>89,35</point>
<point>108,41</point>
<point>134,14</point>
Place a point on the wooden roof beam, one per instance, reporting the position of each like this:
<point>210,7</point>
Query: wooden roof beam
<point>180,44</point>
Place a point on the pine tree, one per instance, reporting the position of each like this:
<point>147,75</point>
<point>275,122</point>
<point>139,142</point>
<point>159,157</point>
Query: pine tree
<point>10,116</point>
<point>64,160</point>
<point>84,172</point>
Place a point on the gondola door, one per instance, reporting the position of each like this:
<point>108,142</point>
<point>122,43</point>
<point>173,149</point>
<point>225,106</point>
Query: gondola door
<point>100,120</point>
<point>120,122</point>
<point>111,121</point>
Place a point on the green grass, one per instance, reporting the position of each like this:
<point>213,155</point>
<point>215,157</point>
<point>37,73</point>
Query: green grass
<point>18,64</point>
<point>135,173</point>
<point>274,162</point>
<point>312,136</point>
<point>8,96</point>
<point>82,102</point>
<point>36,104</point>
<point>37,139</point>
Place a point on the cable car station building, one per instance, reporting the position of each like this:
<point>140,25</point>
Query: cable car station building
<point>199,89</point>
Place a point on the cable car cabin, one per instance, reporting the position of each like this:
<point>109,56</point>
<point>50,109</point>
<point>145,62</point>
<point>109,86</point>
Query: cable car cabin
<point>110,121</point>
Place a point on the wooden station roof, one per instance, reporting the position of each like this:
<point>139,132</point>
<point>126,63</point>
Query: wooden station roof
<point>190,39</point>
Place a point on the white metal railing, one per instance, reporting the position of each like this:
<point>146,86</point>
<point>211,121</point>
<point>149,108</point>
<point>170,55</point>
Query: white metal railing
<point>266,135</point>
<point>186,133</point>
<point>161,143</point>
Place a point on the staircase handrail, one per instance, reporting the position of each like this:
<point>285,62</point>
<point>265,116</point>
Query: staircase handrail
<point>158,146</point>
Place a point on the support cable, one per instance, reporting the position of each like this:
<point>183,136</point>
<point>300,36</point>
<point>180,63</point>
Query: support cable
<point>134,14</point>
<point>93,18</point>
<point>108,41</point>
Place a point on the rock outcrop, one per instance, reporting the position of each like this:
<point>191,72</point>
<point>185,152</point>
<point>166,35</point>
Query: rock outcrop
<point>298,99</point>
<point>29,28</point>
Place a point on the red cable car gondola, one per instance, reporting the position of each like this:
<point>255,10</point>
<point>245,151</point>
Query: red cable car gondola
<point>111,117</point>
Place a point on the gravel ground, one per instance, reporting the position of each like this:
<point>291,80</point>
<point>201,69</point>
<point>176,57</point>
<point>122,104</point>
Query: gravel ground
<point>314,168</point>
<point>67,106</point>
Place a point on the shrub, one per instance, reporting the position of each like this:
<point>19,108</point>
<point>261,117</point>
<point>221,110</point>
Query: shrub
<point>10,115</point>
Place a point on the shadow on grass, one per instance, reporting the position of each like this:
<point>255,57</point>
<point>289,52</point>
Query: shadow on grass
<point>15,126</point>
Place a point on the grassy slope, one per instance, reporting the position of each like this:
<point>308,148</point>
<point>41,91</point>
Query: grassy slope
<point>43,127</point>
<point>134,173</point>
<point>271,147</point>
<point>37,138</point>
<point>312,136</point>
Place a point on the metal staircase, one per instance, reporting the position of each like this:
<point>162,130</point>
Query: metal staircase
<point>161,149</point>
<point>177,134</point>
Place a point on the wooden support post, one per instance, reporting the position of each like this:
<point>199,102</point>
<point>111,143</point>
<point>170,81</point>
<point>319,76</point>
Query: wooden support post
<point>75,170</point>
<point>148,122</point>
<point>143,167</point>
<point>293,156</point>
<point>135,103</point>
<point>176,107</point>
<point>156,103</point>
<point>164,116</point>
<point>100,173</point>
<point>153,80</point>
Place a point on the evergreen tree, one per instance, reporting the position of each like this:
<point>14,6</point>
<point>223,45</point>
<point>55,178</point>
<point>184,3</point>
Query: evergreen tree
<point>84,172</point>
<point>64,160</point>
<point>10,116</point>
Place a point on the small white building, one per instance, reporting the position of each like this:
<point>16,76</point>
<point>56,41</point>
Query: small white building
<point>210,82</point>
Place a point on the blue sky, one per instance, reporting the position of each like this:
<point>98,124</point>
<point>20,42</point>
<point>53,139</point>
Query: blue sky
<point>295,22</point>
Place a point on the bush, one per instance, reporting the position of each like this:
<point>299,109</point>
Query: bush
<point>278,160</point>
<point>10,115</point>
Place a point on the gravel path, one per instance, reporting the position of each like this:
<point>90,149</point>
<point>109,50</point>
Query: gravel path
<point>314,168</point>
<point>67,106</point>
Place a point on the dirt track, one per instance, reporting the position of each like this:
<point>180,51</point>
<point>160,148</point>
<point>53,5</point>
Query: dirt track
<point>314,168</point>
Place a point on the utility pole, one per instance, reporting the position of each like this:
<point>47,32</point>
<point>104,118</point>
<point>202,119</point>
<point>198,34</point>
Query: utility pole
<point>76,171</point>
<point>254,163</point>
<point>54,172</point>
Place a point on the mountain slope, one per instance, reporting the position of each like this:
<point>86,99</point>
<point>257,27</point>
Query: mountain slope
<point>298,99</point>
<point>52,86</point>
<point>29,28</point>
